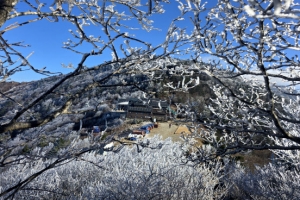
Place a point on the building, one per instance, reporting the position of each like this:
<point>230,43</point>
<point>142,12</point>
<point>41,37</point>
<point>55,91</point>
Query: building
<point>139,112</point>
<point>144,108</point>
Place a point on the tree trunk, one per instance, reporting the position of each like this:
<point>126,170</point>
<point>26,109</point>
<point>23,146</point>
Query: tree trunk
<point>5,7</point>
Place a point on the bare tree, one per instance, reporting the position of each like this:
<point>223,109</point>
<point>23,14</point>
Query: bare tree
<point>133,56</point>
<point>5,8</point>
<point>254,72</point>
<point>253,48</point>
<point>110,18</point>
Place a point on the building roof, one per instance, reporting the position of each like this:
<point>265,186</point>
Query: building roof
<point>123,103</point>
<point>139,109</point>
<point>158,111</point>
<point>154,103</point>
<point>137,102</point>
<point>131,99</point>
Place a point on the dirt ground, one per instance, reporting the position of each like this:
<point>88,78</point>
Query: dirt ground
<point>259,158</point>
<point>165,132</point>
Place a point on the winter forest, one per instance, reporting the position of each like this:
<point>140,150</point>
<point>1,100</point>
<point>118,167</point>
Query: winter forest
<point>228,70</point>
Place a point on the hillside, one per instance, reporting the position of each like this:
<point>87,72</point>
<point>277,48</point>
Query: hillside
<point>71,132</point>
<point>5,86</point>
<point>104,97</point>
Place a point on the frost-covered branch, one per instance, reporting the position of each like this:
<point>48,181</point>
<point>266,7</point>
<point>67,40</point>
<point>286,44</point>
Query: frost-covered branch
<point>255,48</point>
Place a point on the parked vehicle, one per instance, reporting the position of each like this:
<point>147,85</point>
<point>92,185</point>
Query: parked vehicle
<point>132,139</point>
<point>150,125</point>
<point>135,135</point>
<point>139,132</point>
<point>146,129</point>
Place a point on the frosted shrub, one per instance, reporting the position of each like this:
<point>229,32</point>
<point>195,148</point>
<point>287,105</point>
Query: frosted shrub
<point>153,172</point>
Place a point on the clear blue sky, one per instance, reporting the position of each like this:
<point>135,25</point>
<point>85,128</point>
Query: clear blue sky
<point>46,40</point>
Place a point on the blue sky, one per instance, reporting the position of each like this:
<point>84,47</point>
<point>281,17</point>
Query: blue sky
<point>46,40</point>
